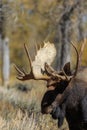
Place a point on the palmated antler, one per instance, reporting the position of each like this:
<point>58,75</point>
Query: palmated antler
<point>62,74</point>
<point>50,75</point>
<point>22,75</point>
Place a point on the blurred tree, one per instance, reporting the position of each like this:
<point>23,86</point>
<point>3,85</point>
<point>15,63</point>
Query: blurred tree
<point>4,49</point>
<point>80,15</point>
<point>35,21</point>
<point>64,24</point>
<point>67,17</point>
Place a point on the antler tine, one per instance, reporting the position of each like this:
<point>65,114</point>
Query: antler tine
<point>50,71</point>
<point>30,61</point>
<point>22,75</point>
<point>77,62</point>
<point>18,70</point>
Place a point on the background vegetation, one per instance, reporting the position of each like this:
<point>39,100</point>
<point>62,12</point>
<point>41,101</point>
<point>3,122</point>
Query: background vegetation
<point>33,22</point>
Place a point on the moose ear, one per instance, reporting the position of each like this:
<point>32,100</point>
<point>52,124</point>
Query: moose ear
<point>67,68</point>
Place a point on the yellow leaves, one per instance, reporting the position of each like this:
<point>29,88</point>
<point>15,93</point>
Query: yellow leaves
<point>46,5</point>
<point>84,56</point>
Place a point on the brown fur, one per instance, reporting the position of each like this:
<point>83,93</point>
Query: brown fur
<point>66,100</point>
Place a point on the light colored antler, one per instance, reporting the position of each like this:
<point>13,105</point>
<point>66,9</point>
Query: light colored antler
<point>77,61</point>
<point>40,63</point>
<point>22,75</point>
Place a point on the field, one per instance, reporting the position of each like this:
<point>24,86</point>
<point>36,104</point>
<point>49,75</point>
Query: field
<point>20,108</point>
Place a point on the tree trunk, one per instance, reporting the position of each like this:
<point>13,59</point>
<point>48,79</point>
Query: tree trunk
<point>65,41</point>
<point>5,62</point>
<point>57,41</point>
<point>0,45</point>
<point>0,56</point>
<point>80,22</point>
<point>64,24</point>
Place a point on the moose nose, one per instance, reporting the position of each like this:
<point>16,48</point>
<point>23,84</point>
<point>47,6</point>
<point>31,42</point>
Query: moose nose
<point>43,112</point>
<point>46,110</point>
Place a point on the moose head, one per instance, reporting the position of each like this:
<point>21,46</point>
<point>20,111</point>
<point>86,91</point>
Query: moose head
<point>58,84</point>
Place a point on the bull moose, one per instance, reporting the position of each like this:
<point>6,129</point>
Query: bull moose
<point>66,95</point>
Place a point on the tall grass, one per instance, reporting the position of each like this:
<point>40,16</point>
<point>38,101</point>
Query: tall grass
<point>20,110</point>
<point>23,121</point>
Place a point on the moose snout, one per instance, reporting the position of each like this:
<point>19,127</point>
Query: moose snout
<point>46,110</point>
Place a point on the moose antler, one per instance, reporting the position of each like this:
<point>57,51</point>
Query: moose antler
<point>50,73</point>
<point>77,61</point>
<point>22,75</point>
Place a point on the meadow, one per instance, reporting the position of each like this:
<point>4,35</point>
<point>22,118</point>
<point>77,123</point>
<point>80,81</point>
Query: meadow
<point>34,22</point>
<point>20,108</point>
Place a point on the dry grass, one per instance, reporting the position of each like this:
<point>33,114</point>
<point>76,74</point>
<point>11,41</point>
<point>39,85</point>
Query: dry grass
<point>25,99</point>
<point>20,110</point>
<point>21,121</point>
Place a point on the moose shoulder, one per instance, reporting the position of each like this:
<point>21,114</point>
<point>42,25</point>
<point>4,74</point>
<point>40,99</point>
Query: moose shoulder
<point>66,94</point>
<point>68,100</point>
<point>76,105</point>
